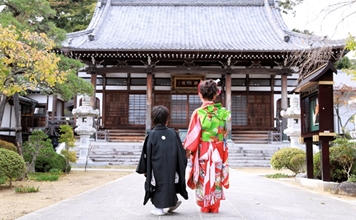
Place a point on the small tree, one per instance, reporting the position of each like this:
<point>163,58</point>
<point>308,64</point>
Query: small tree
<point>345,154</point>
<point>67,137</point>
<point>32,148</point>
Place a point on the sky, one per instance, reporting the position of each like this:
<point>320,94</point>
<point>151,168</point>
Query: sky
<point>311,15</point>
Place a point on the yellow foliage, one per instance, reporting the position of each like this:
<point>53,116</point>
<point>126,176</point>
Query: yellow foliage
<point>29,57</point>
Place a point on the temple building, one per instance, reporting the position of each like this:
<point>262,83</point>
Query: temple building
<point>142,53</point>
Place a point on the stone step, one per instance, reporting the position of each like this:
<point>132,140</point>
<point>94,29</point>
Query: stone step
<point>129,154</point>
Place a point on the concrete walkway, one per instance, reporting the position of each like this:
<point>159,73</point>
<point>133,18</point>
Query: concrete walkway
<point>250,196</point>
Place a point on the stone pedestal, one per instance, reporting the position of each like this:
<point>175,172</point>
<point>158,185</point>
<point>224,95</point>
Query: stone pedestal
<point>85,128</point>
<point>84,149</point>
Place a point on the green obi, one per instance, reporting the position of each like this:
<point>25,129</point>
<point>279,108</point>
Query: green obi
<point>213,119</point>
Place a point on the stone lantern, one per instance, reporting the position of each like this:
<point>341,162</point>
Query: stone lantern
<point>293,129</point>
<point>85,114</point>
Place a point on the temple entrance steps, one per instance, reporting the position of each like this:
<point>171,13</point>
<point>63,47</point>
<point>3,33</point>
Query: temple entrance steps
<point>121,135</point>
<point>128,154</point>
<point>255,136</point>
<point>114,153</point>
<point>252,155</point>
<point>237,136</point>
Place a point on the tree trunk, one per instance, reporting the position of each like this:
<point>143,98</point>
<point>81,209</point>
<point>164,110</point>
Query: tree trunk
<point>18,134</point>
<point>2,107</point>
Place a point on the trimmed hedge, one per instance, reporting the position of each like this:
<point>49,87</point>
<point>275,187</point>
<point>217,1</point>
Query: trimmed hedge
<point>8,145</point>
<point>293,159</point>
<point>47,162</point>
<point>12,165</point>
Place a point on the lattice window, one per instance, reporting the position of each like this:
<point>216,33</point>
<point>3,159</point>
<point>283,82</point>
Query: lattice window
<point>239,110</point>
<point>179,110</point>
<point>163,99</point>
<point>137,109</point>
<point>194,102</point>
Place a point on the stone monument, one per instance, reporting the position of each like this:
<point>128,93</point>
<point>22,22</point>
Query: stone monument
<point>85,114</point>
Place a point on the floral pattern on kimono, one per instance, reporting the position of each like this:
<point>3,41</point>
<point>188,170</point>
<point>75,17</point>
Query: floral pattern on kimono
<point>206,139</point>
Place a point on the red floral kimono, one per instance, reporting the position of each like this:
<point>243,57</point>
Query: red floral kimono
<point>206,140</point>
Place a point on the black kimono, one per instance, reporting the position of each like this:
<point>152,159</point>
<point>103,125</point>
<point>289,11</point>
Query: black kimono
<point>163,156</point>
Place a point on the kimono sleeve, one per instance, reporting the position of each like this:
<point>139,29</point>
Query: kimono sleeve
<point>142,163</point>
<point>192,139</point>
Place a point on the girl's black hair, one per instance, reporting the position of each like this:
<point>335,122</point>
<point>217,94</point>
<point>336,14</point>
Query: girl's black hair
<point>208,89</point>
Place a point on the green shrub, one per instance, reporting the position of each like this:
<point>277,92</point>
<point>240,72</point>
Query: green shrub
<point>50,160</point>
<point>298,163</point>
<point>287,158</point>
<point>352,178</point>
<point>2,180</point>
<point>12,165</point>
<point>342,160</point>
<point>41,156</point>
<point>8,145</point>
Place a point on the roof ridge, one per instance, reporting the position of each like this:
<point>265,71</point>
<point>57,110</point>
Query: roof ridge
<point>190,2</point>
<point>182,4</point>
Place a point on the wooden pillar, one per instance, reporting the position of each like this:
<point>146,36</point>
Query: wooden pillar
<point>284,103</point>
<point>325,158</point>
<point>309,157</point>
<point>93,98</point>
<point>228,97</point>
<point>54,108</point>
<point>149,101</point>
<point>103,101</point>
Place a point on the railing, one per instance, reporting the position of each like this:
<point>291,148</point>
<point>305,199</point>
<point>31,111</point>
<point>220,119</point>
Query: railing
<point>52,125</point>
<point>276,134</point>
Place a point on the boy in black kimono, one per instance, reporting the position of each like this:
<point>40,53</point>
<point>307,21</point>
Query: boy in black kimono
<point>163,162</point>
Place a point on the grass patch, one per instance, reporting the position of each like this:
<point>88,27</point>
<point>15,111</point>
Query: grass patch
<point>41,177</point>
<point>27,189</point>
<point>277,175</point>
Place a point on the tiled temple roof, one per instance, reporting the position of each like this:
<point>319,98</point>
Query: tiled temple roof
<point>189,25</point>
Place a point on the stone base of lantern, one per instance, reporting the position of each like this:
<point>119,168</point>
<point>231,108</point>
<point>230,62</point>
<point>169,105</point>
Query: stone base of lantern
<point>84,149</point>
<point>294,142</point>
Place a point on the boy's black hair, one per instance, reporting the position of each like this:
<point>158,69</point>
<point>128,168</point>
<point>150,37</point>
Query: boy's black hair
<point>159,115</point>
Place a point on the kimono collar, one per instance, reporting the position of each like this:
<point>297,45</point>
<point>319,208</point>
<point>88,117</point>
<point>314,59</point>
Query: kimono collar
<point>159,127</point>
<point>207,103</point>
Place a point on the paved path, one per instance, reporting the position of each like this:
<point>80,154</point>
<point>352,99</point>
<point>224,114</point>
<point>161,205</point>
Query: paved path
<point>250,197</point>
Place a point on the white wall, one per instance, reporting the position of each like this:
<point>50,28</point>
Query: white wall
<point>8,119</point>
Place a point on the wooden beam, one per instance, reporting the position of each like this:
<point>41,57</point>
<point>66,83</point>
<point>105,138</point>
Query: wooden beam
<point>130,69</point>
<point>10,129</point>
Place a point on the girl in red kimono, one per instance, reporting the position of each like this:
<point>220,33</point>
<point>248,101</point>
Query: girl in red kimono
<point>206,142</point>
